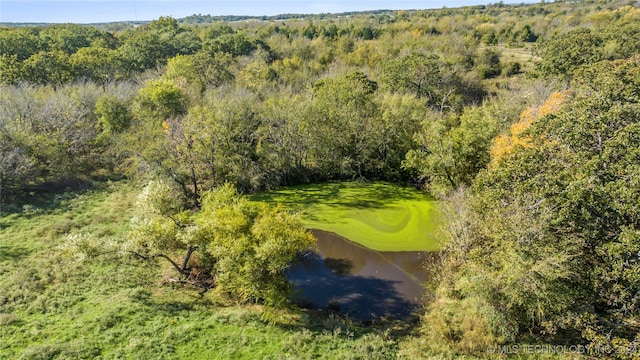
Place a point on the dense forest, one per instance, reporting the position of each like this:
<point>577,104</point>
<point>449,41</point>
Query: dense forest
<point>523,119</point>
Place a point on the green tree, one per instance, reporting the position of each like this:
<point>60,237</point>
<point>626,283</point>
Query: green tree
<point>452,151</point>
<point>140,51</point>
<point>229,141</point>
<point>20,42</point>
<point>284,139</point>
<point>552,238</point>
<point>392,134</point>
<point>257,75</point>
<point>233,44</point>
<point>94,63</point>
<point>416,73</point>
<point>244,249</point>
<point>343,120</point>
<point>11,69</point>
<point>564,53</point>
<point>161,100</point>
<point>69,38</point>
<point>201,69</point>
<point>113,115</point>
<point>488,64</point>
<point>215,30</point>
<point>16,168</point>
<point>50,67</point>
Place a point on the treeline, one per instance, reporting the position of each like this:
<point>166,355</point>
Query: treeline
<point>208,19</point>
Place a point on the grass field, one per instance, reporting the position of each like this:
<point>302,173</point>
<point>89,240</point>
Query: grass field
<point>53,306</point>
<point>380,216</point>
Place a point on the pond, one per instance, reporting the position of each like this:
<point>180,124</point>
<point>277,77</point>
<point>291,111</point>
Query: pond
<point>350,279</point>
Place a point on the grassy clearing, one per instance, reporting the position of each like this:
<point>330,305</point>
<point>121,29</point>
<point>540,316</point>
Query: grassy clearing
<point>523,55</point>
<point>380,216</point>
<point>56,307</point>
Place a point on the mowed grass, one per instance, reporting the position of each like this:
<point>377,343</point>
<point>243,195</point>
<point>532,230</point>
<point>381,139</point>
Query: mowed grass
<point>379,216</point>
<point>56,306</point>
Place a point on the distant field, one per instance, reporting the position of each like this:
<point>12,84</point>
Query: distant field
<point>380,216</point>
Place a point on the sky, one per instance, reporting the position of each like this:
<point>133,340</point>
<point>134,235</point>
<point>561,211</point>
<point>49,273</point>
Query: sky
<point>95,11</point>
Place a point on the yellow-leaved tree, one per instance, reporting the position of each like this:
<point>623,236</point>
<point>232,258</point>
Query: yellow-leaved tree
<point>516,137</point>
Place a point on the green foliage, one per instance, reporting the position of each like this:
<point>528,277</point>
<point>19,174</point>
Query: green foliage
<point>258,76</point>
<point>417,73</point>
<point>161,100</point>
<point>552,238</point>
<point>252,246</point>
<point>69,38</point>
<point>48,67</point>
<point>467,326</point>
<point>95,63</point>
<point>142,50</point>
<point>526,34</point>
<point>343,115</point>
<point>11,69</point>
<point>489,64</point>
<point>16,168</point>
<point>49,135</point>
<point>232,44</point>
<point>246,247</point>
<point>404,96</point>
<point>113,115</point>
<point>215,30</point>
<point>20,42</point>
<point>201,70</point>
<point>566,52</point>
<point>145,47</point>
<point>159,220</point>
<point>452,151</point>
<point>227,150</point>
<point>511,68</point>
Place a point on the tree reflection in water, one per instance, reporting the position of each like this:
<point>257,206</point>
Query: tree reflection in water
<point>365,284</point>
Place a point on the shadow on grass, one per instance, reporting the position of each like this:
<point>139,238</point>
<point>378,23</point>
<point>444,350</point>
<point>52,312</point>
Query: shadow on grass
<point>174,302</point>
<point>46,198</point>
<point>13,253</point>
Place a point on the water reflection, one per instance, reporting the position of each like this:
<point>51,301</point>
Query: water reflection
<point>358,281</point>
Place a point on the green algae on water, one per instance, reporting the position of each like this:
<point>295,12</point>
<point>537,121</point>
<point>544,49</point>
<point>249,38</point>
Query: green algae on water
<point>379,216</point>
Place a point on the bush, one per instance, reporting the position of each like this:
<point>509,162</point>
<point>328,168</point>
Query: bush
<point>243,248</point>
<point>511,68</point>
<point>465,326</point>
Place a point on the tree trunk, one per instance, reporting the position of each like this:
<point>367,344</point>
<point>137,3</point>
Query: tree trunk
<point>187,257</point>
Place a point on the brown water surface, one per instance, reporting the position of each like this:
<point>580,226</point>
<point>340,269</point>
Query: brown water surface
<point>363,283</point>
